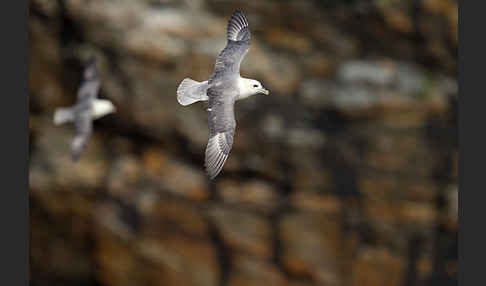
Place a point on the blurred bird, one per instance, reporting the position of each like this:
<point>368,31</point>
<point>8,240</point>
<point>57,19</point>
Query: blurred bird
<point>86,109</point>
<point>222,90</point>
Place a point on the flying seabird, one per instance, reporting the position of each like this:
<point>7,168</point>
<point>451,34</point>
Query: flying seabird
<point>221,91</point>
<point>86,109</point>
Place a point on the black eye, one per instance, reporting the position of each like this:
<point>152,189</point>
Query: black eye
<point>255,85</point>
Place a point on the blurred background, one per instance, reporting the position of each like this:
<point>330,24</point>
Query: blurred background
<point>345,175</point>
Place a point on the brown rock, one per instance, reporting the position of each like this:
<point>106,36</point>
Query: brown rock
<point>60,254</point>
<point>45,68</point>
<point>397,189</point>
<point>406,154</point>
<point>424,267</point>
<point>117,261</point>
<point>288,40</point>
<point>109,218</point>
<point>175,177</point>
<point>315,201</point>
<point>180,261</point>
<point>319,66</point>
<point>311,179</point>
<point>253,193</point>
<point>406,119</point>
<point>398,19</point>
<point>378,267</point>
<point>413,213</point>
<point>310,246</point>
<point>161,216</point>
<point>49,8</point>
<point>418,213</point>
<point>252,272</point>
<point>277,72</point>
<point>125,173</point>
<point>243,232</point>
<point>53,152</point>
<point>447,9</point>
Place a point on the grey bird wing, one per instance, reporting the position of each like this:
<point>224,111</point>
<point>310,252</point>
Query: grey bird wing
<point>88,91</point>
<point>238,34</point>
<point>91,83</point>
<point>222,124</point>
<point>83,124</point>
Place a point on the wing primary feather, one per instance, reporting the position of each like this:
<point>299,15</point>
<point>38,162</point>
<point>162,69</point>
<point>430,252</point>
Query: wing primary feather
<point>237,24</point>
<point>216,155</point>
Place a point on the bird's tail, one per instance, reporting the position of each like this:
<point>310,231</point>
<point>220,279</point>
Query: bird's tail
<point>63,115</point>
<point>190,91</point>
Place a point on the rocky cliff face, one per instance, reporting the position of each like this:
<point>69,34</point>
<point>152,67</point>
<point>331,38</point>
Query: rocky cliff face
<point>345,175</point>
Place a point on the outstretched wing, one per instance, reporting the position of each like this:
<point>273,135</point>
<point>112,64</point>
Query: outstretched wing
<point>222,124</point>
<point>83,124</point>
<point>90,84</point>
<point>238,34</point>
<point>88,91</point>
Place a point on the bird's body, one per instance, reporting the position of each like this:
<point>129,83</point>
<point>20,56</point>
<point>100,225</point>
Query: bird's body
<point>221,91</point>
<point>86,109</point>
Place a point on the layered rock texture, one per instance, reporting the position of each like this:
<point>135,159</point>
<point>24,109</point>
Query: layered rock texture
<point>345,175</point>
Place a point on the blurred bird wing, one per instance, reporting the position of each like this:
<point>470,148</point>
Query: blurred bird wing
<point>88,91</point>
<point>83,125</point>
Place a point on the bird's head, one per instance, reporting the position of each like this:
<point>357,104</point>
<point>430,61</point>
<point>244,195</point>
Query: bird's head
<point>252,87</point>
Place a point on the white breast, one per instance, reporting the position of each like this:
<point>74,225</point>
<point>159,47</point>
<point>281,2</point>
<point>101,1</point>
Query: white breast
<point>102,107</point>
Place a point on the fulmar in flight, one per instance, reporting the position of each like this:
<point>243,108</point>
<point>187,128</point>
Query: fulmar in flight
<point>221,91</point>
<point>86,109</point>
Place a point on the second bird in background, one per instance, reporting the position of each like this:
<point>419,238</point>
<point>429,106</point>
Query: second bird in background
<point>87,108</point>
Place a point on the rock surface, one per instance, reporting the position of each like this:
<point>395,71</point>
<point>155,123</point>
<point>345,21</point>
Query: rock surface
<point>345,175</point>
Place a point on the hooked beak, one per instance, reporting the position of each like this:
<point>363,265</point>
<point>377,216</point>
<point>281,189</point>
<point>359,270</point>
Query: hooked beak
<point>264,91</point>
